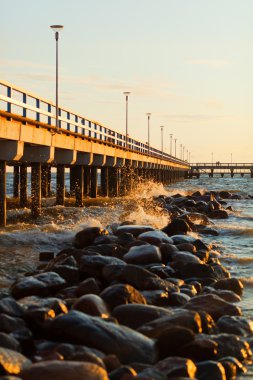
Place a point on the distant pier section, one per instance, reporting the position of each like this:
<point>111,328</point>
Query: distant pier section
<point>221,169</point>
<point>29,139</point>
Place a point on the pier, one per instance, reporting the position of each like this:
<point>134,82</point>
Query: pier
<point>29,139</point>
<point>231,169</point>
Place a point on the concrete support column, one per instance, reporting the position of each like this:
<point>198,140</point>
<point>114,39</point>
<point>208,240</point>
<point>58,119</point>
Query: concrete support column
<point>3,207</point>
<point>44,181</point>
<point>104,181</point>
<point>48,181</point>
<point>113,182</point>
<point>94,182</point>
<point>87,180</point>
<point>36,190</point>
<point>16,181</point>
<point>78,184</point>
<point>60,185</point>
<point>23,186</point>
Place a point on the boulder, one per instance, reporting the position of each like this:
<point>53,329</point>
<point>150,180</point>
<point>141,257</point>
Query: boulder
<point>79,328</point>
<point>210,370</point>
<point>232,284</point>
<point>134,229</point>
<point>9,324</point>
<point>64,370</point>
<point>39,284</point>
<point>213,305</point>
<point>9,306</point>
<point>120,294</point>
<point>177,367</point>
<point>177,227</point>
<point>93,265</point>
<point>87,236</point>
<point>235,325</point>
<point>7,341</point>
<point>88,286</point>
<point>156,237</point>
<point>144,254</point>
<point>12,362</point>
<point>93,305</point>
<point>200,349</point>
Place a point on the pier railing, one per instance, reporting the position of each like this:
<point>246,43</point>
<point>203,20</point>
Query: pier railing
<point>15,100</point>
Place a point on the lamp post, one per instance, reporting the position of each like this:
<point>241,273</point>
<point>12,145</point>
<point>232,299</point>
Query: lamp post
<point>162,140</point>
<point>171,143</point>
<point>127,93</point>
<point>148,115</point>
<point>189,157</point>
<point>212,158</point>
<point>181,146</point>
<point>183,153</point>
<point>56,29</point>
<point>175,147</point>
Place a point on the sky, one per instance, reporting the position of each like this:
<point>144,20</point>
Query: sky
<point>187,62</point>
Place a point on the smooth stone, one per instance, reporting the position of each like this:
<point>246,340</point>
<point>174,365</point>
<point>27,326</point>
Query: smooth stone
<point>218,214</point>
<point>156,237</point>
<point>213,305</point>
<point>113,250</point>
<point>69,273</point>
<point>136,276</point>
<point>180,239</point>
<point>12,362</point>
<point>176,366</point>
<point>200,349</point>
<point>79,328</point>
<point>178,299</point>
<point>46,256</point>
<point>198,271</point>
<point>120,294</point>
<point>93,305</point>
<point>93,265</point>
<point>196,218</point>
<point>230,359</point>
<point>144,254</point>
<point>185,257</point>
<point>105,239</point>
<point>8,341</point>
<point>64,370</point>
<point>177,227</point>
<point>151,373</point>
<point>180,317</point>
<point>167,250</point>
<point>164,272</point>
<point>10,306</point>
<point>56,304</point>
<point>87,236</point>
<point>135,230</point>
<point>136,315</point>
<point>223,194</point>
<point>226,295</point>
<point>156,297</point>
<point>188,247</point>
<point>88,286</point>
<point>231,345</point>
<point>230,284</point>
<point>40,284</point>
<point>171,340</point>
<point>235,325</point>
<point>122,372</point>
<point>9,324</point>
<point>210,370</point>
<point>207,323</point>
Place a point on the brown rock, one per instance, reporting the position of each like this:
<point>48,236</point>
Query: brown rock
<point>120,294</point>
<point>230,284</point>
<point>93,305</point>
<point>176,366</point>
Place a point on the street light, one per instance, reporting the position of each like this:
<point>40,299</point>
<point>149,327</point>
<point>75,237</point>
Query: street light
<point>175,147</point>
<point>56,29</point>
<point>148,115</point>
<point>126,93</point>
<point>162,140</point>
<point>171,143</point>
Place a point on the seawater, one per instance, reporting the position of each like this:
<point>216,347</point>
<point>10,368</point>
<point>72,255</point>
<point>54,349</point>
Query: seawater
<point>22,240</point>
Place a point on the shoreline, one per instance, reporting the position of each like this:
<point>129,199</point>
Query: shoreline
<point>159,283</point>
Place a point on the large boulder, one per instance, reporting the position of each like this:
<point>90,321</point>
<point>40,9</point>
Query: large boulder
<point>119,294</point>
<point>156,237</point>
<point>210,370</point>
<point>213,305</point>
<point>177,367</point>
<point>235,325</point>
<point>79,328</point>
<point>87,236</point>
<point>64,370</point>
<point>143,254</point>
<point>177,227</point>
<point>133,229</point>
<point>233,284</point>
<point>12,362</point>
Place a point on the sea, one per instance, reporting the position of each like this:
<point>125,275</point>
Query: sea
<point>22,239</point>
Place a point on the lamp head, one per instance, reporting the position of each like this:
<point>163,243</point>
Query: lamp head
<point>148,114</point>
<point>56,28</point>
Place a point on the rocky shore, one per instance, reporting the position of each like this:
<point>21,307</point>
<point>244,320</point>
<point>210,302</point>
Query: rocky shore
<point>131,302</point>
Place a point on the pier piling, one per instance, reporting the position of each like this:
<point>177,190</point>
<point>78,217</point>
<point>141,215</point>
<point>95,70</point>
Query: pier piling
<point>60,185</point>
<point>16,181</point>
<point>2,193</point>
<point>104,181</point>
<point>94,182</point>
<point>36,190</point>
<point>23,186</point>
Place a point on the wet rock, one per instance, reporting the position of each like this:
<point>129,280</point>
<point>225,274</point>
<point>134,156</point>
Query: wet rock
<point>167,250</point>
<point>188,247</point>
<point>164,272</point>
<point>12,362</point>
<point>224,194</point>
<point>199,271</point>
<point>113,250</point>
<point>93,265</point>
<point>144,254</point>
<point>40,284</point>
<point>210,370</point>
<point>218,214</point>
<point>184,318</point>
<point>105,239</point>
<point>177,367</point>
<point>184,257</point>
<point>69,273</point>
<point>231,345</point>
<point>182,239</point>
<point>93,305</point>
<point>156,297</point>
<point>200,349</point>
<point>56,304</point>
<point>121,372</point>
<point>87,236</point>
<point>46,256</point>
<point>135,230</point>
<point>79,328</point>
<point>213,305</point>
<point>120,294</point>
<point>9,324</point>
<point>226,295</point>
<point>230,361</point>
<point>156,237</point>
<point>89,286</point>
<point>10,307</point>
<point>177,227</point>
<point>235,325</point>
<point>7,341</point>
<point>136,315</point>
<point>64,370</point>
<point>232,284</point>
<point>177,299</point>
<point>136,276</point>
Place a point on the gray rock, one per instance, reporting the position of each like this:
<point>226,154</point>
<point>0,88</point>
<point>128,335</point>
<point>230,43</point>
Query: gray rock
<point>120,294</point>
<point>135,230</point>
<point>87,236</point>
<point>156,237</point>
<point>144,254</point>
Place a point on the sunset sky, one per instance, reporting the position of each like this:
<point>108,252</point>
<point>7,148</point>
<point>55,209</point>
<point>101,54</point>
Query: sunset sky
<point>188,62</point>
